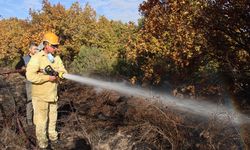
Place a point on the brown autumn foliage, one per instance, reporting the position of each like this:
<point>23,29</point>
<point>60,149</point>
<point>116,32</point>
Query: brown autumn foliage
<point>77,27</point>
<point>226,27</point>
<point>167,41</point>
<point>198,43</point>
<point>13,37</point>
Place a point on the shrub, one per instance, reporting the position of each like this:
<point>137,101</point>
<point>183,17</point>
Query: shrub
<point>91,60</point>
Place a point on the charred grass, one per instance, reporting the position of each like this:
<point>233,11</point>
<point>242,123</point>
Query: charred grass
<point>91,118</point>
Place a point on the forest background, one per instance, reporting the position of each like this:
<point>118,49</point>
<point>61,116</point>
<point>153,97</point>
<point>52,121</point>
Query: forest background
<point>198,48</point>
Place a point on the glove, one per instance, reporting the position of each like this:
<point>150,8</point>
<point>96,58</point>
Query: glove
<point>60,75</point>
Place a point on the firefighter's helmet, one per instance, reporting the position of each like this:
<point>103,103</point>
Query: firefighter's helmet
<point>51,38</point>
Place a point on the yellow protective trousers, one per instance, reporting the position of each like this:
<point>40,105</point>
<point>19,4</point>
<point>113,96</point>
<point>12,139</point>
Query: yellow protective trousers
<point>45,116</point>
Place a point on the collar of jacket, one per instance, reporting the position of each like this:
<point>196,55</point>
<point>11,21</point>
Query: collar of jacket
<point>43,53</point>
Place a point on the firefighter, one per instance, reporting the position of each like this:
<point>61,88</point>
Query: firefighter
<point>21,65</point>
<point>44,89</point>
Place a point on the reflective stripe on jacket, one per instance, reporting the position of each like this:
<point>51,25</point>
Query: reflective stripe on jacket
<point>42,88</point>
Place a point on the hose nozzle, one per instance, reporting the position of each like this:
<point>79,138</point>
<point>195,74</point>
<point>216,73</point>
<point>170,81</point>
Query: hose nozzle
<point>50,71</point>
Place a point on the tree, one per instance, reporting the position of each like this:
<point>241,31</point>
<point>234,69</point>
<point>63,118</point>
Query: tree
<point>226,26</point>
<point>14,38</point>
<point>167,42</point>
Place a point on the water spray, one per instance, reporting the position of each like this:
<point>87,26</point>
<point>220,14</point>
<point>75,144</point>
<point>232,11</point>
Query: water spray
<point>205,109</point>
<point>196,107</point>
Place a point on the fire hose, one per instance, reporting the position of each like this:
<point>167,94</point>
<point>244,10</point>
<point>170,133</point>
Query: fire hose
<point>47,70</point>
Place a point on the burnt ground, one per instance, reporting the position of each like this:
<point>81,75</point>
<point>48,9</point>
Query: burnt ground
<point>105,120</point>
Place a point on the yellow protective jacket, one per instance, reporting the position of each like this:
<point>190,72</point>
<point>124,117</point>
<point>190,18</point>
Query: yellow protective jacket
<point>42,88</point>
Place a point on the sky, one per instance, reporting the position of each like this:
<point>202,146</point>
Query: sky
<point>124,10</point>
